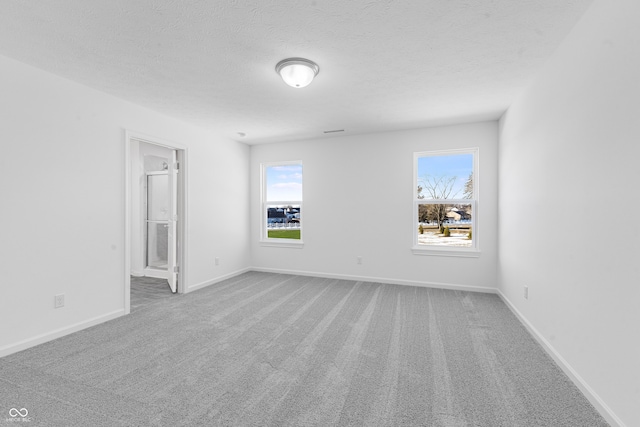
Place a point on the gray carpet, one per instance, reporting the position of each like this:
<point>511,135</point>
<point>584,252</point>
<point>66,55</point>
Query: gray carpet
<point>277,350</point>
<point>146,290</point>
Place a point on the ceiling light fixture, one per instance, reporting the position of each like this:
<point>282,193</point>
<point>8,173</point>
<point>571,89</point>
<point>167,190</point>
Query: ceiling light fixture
<point>297,72</point>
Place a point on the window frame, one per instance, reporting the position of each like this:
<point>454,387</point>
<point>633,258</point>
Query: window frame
<point>265,240</point>
<point>453,251</point>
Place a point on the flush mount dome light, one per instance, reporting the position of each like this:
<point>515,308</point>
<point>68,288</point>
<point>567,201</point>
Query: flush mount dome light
<point>297,72</point>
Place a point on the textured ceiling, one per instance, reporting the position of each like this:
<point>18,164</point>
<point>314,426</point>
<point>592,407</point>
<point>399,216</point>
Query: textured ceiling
<point>384,65</point>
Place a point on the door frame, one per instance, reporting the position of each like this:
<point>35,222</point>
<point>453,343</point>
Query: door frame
<point>182,156</point>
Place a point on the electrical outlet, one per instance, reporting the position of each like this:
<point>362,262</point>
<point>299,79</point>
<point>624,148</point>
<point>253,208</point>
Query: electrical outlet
<point>217,261</point>
<point>58,301</point>
<point>359,260</point>
<point>526,292</point>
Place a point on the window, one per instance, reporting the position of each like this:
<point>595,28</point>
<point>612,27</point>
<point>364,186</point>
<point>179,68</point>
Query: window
<point>282,203</point>
<point>445,203</point>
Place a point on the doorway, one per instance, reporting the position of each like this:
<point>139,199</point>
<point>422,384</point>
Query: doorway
<point>155,205</point>
<point>159,216</point>
<point>156,222</point>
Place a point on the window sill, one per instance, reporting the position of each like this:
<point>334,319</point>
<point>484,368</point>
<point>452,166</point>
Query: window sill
<point>452,252</point>
<point>282,243</point>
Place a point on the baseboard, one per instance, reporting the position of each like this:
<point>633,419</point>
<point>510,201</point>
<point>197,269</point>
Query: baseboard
<point>582,385</point>
<point>57,333</point>
<point>421,284</point>
<point>155,273</point>
<point>216,280</point>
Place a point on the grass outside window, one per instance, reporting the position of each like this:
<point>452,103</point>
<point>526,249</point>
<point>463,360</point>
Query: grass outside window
<point>284,234</point>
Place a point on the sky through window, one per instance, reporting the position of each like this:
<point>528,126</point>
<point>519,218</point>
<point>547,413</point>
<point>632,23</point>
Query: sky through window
<point>450,165</point>
<point>284,183</point>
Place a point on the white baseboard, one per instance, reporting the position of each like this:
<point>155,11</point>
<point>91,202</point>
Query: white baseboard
<point>421,284</point>
<point>216,280</point>
<point>155,273</point>
<point>586,390</point>
<point>57,333</point>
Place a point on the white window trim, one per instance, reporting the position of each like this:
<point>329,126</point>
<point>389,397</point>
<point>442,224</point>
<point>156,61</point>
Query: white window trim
<point>450,251</point>
<point>275,242</point>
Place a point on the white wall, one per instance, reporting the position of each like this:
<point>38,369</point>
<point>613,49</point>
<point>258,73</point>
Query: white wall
<point>569,175</point>
<point>358,193</point>
<point>63,211</point>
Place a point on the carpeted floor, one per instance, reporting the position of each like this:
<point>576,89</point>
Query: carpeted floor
<point>277,350</point>
<point>146,290</point>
